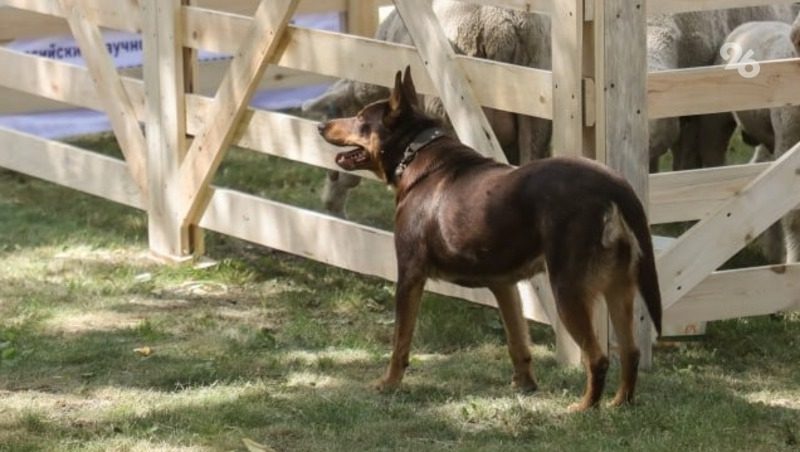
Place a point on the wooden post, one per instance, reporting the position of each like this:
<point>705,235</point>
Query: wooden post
<point>567,31</point>
<point>621,110</point>
<point>362,17</point>
<point>168,76</point>
<point>568,120</point>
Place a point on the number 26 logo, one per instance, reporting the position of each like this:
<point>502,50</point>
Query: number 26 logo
<point>744,64</point>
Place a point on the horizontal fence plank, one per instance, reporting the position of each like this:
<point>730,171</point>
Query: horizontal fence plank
<point>124,14</point>
<point>717,89</point>
<point>247,7</point>
<point>309,234</point>
<point>274,134</point>
<point>655,7</point>
<point>737,221</point>
<point>497,85</point>
<point>678,196</point>
<point>530,6</point>
<point>74,85</point>
<point>323,238</point>
<point>263,131</point>
<point>739,293</point>
<point>60,81</point>
<point>117,14</point>
<point>696,194</point>
<point>69,166</point>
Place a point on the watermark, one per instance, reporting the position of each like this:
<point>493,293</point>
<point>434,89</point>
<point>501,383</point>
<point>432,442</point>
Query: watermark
<point>737,59</point>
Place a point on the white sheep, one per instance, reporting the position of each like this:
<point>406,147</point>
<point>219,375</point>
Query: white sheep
<point>775,130</point>
<point>673,41</point>
<point>689,40</point>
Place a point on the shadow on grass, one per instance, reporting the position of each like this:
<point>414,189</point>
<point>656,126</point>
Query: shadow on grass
<point>29,209</point>
<point>334,409</point>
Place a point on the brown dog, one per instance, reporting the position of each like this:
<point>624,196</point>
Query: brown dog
<point>473,221</point>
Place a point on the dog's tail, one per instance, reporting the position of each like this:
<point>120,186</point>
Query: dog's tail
<point>634,217</point>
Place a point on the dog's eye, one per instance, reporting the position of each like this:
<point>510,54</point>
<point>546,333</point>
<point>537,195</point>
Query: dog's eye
<point>364,129</point>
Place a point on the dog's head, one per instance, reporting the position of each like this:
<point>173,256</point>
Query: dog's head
<point>380,132</point>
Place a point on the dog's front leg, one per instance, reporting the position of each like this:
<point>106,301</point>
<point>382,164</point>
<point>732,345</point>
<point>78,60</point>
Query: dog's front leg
<point>410,286</point>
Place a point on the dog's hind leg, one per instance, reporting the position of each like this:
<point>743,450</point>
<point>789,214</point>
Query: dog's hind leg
<point>620,300</point>
<point>517,336</point>
<point>408,296</point>
<point>575,308</point>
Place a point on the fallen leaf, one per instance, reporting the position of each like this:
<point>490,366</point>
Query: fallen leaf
<point>143,351</point>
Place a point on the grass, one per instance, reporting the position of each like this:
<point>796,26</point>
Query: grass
<point>282,351</point>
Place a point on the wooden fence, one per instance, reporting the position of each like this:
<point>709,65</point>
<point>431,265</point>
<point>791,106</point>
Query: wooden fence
<point>598,94</point>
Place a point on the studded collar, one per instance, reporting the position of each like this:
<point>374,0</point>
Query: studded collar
<point>422,139</point>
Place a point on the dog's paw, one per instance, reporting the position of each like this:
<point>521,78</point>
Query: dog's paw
<point>620,401</point>
<point>524,383</point>
<point>582,406</point>
<point>385,385</point>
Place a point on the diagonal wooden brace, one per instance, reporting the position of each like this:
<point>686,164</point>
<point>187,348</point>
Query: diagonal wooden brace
<point>111,90</point>
<point>448,77</point>
<point>260,45</point>
<point>716,239</point>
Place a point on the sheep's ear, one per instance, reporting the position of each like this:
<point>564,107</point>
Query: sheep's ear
<point>409,91</point>
<point>396,98</point>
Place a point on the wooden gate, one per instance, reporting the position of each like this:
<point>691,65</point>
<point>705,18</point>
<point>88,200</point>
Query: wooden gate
<point>598,94</point>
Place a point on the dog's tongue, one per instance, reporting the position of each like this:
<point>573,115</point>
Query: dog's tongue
<point>352,160</point>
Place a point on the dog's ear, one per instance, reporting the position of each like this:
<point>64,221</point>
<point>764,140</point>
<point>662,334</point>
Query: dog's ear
<point>396,98</point>
<point>409,90</point>
<point>404,94</point>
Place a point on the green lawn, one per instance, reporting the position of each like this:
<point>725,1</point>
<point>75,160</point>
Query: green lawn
<point>283,351</point>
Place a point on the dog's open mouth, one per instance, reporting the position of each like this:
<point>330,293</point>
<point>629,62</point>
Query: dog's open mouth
<point>353,160</point>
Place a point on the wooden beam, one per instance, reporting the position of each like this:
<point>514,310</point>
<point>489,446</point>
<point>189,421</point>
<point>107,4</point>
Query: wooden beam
<point>696,194</point>
<point>656,7</point>
<point>568,115</point>
<point>739,293</point>
<point>166,69</point>
<point>622,125</point>
<point>738,221</point>
<point>695,91</point>
<point>495,84</point>
<point>362,17</point>
<point>123,14</point>
<point>447,75</point>
<point>268,132</point>
<point>69,166</point>
<point>568,131</point>
<point>528,6</point>
<point>112,93</point>
<point>230,103</point>
<point>247,7</point>
<point>323,238</point>
<point>20,24</point>
<point>258,220</point>
<point>58,81</point>
<point>117,14</point>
